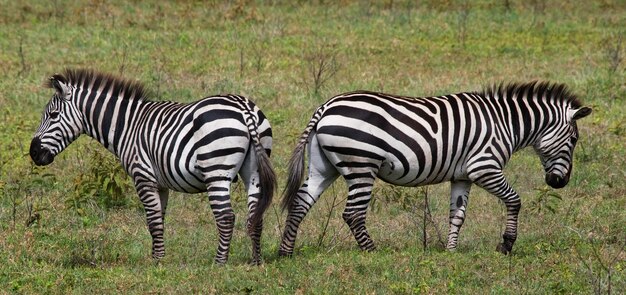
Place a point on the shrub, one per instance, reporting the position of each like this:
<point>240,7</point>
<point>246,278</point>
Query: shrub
<point>105,184</point>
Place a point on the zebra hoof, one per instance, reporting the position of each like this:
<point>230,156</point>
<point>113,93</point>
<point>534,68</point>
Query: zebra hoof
<point>369,249</point>
<point>507,244</point>
<point>220,262</point>
<point>502,248</point>
<point>368,246</point>
<point>283,253</point>
<point>158,255</point>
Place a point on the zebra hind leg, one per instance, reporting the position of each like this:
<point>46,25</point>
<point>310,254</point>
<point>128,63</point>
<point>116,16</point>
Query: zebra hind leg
<point>359,196</point>
<point>459,192</point>
<point>250,177</point>
<point>256,232</point>
<point>321,175</point>
<point>218,189</point>
<point>255,235</point>
<point>308,194</point>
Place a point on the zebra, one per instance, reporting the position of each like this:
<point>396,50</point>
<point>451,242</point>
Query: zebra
<point>195,147</point>
<point>463,138</point>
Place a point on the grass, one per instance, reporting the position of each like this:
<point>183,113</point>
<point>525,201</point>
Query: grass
<point>183,51</point>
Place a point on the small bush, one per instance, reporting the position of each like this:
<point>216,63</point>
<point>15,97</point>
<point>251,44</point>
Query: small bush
<point>105,185</point>
<point>546,199</point>
<point>319,65</point>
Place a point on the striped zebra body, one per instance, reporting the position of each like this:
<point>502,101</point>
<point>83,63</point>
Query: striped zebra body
<point>463,138</point>
<point>194,147</point>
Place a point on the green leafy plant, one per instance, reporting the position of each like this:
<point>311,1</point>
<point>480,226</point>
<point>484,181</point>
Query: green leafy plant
<point>393,194</point>
<point>545,199</point>
<point>105,185</point>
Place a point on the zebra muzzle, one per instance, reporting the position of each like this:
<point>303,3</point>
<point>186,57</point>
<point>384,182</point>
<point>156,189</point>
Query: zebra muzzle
<point>41,156</point>
<point>556,181</point>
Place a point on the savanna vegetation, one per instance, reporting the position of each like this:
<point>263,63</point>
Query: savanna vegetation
<point>76,226</point>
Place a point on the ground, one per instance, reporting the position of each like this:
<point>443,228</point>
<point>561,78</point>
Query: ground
<point>76,226</point>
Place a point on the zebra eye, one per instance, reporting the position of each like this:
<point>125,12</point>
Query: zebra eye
<point>54,115</point>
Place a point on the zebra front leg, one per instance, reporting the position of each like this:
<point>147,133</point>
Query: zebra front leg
<point>494,182</point>
<point>219,199</point>
<point>150,197</point>
<point>359,196</point>
<point>459,192</point>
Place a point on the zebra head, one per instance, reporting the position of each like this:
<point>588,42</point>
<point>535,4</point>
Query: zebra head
<point>556,147</point>
<point>60,123</point>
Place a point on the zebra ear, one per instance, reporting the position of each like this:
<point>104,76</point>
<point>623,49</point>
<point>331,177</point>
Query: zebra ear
<point>581,113</point>
<point>59,83</point>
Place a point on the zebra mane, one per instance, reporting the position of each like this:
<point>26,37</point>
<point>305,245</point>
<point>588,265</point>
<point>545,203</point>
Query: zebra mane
<point>546,90</point>
<point>132,89</point>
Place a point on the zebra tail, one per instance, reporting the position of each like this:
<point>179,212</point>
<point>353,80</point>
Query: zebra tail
<point>267,180</point>
<point>296,164</point>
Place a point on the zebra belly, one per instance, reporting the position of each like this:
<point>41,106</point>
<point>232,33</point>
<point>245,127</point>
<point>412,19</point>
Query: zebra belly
<point>189,177</point>
<point>351,156</point>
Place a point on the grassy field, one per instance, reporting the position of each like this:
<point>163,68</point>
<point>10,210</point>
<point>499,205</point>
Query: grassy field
<point>77,226</point>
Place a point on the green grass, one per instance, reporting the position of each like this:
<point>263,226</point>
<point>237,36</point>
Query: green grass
<point>184,51</point>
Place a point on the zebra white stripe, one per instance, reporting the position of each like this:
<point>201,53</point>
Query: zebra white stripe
<point>195,147</point>
<point>463,138</point>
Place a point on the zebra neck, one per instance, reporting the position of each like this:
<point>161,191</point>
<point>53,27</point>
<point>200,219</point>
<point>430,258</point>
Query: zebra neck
<point>523,121</point>
<point>110,121</point>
